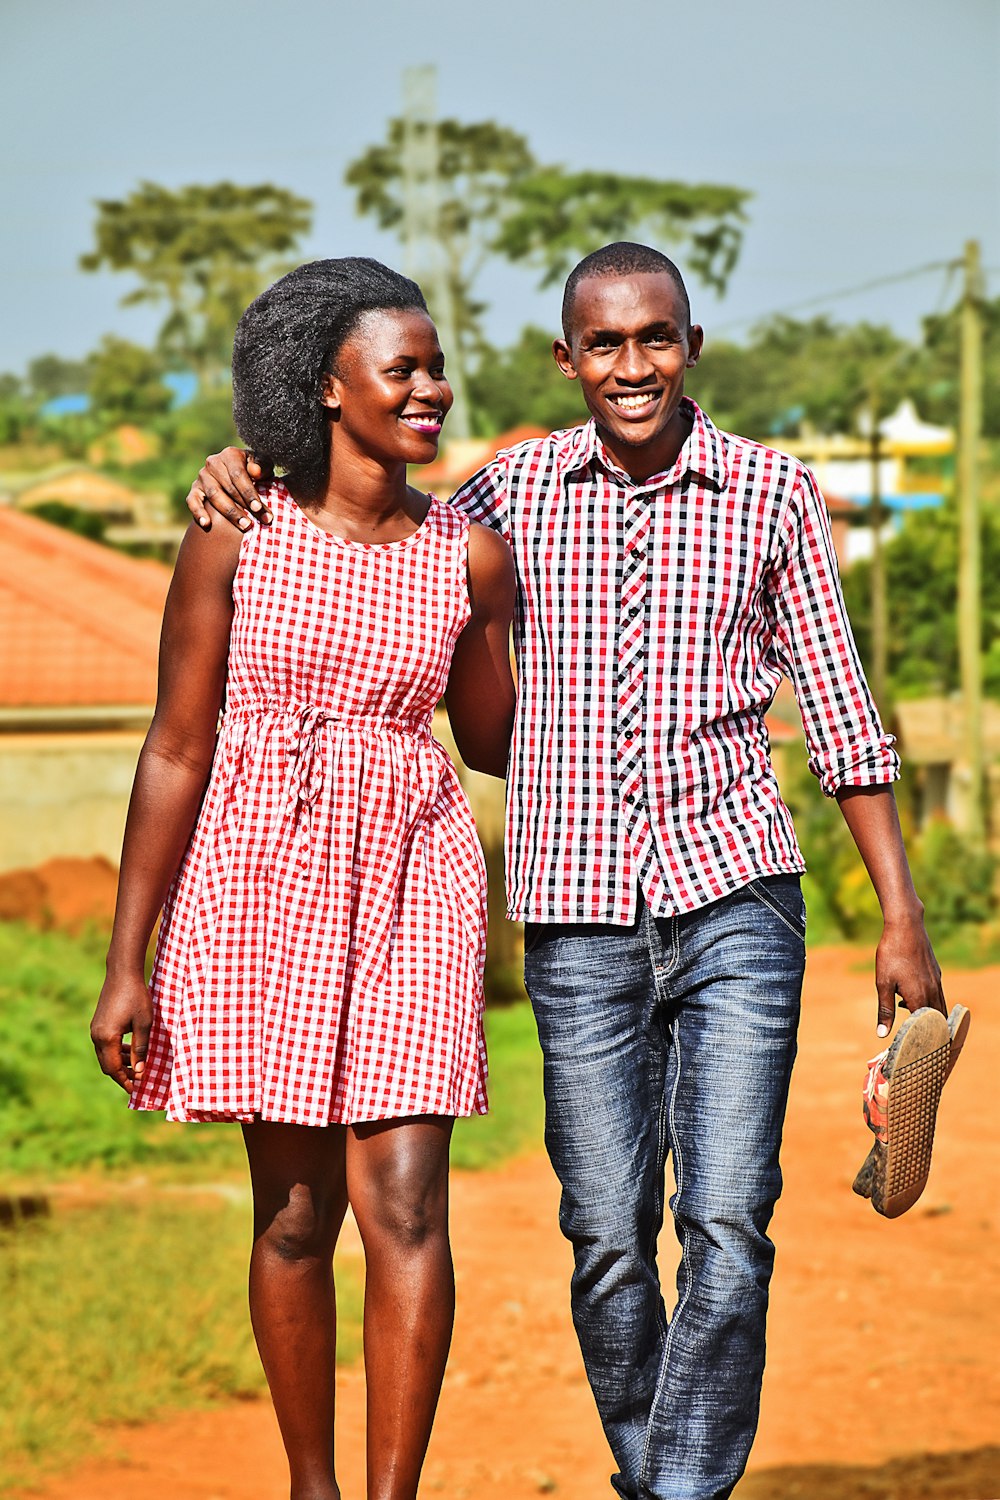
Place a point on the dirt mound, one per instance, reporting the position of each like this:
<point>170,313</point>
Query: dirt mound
<point>68,894</point>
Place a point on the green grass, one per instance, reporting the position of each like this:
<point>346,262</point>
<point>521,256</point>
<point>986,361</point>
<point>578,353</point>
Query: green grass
<point>59,1116</point>
<point>515,1121</point>
<point>121,1312</point>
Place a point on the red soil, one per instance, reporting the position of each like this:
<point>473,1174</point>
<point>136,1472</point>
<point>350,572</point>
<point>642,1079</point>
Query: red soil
<point>883,1379</point>
<point>68,894</point>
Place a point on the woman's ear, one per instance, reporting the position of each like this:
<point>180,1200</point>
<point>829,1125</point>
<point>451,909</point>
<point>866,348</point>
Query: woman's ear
<point>329,395</point>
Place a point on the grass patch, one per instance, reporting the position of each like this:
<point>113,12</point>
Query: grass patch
<point>59,1116</point>
<point>515,1122</point>
<point>121,1312</point>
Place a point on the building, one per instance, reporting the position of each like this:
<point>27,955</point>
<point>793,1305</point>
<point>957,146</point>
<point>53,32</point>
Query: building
<point>79,636</point>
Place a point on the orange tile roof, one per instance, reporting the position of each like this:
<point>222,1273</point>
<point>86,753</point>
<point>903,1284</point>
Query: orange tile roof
<point>464,456</point>
<point>79,623</point>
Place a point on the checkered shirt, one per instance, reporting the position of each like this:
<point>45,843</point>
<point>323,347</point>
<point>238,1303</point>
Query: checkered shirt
<point>655,620</point>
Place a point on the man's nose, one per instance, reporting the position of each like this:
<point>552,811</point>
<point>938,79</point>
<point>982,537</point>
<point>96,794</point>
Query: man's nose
<point>633,361</point>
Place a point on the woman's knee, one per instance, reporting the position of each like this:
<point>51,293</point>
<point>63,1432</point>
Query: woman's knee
<point>302,1228</point>
<point>404,1199</point>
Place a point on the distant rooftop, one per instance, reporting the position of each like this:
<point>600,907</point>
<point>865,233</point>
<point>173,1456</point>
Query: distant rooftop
<point>79,623</point>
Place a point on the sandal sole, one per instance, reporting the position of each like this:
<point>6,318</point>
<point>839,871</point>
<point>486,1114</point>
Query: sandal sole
<point>915,1072</point>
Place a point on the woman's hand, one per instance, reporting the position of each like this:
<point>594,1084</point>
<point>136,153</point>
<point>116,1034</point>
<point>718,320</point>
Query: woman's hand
<point>226,483</point>
<point>124,1007</point>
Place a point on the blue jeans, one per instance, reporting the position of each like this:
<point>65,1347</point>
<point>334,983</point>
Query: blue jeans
<point>675,1034</point>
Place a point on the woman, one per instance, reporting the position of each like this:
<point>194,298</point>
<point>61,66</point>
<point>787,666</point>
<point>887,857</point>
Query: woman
<point>319,967</point>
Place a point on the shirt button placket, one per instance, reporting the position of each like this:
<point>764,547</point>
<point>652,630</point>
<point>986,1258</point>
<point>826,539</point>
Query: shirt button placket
<point>632,656</point>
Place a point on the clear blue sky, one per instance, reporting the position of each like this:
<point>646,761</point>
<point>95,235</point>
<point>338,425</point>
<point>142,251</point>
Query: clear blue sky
<point>868,131</point>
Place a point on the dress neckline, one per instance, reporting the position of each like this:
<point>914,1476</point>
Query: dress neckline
<point>344,541</point>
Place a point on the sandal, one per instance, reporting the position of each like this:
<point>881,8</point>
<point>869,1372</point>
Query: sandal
<point>902,1091</point>
<point>959,1020</point>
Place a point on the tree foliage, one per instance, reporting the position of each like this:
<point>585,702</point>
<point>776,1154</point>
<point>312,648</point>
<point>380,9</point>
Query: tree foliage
<point>478,166</point>
<point>791,371</point>
<point>557,217</point>
<point>202,252</point>
<point>496,200</point>
<point>126,382</point>
<point>921,565</point>
<point>523,384</point>
<point>49,375</point>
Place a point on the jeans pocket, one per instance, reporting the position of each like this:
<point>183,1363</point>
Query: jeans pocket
<point>782,895</point>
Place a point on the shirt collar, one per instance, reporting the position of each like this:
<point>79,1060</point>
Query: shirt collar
<point>702,456</point>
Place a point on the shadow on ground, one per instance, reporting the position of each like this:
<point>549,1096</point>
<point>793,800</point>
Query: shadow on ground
<point>972,1475</point>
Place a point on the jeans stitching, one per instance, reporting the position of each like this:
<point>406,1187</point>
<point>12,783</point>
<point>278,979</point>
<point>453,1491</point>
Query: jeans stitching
<point>685,1265</point>
<point>773,907</point>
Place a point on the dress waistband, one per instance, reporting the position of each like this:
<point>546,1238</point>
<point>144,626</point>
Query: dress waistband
<point>307,720</point>
<point>309,717</point>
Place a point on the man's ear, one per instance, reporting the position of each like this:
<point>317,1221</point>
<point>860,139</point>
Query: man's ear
<point>330,393</point>
<point>563,356</point>
<point>696,342</point>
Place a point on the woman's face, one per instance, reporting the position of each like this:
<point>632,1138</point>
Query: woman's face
<point>389,393</point>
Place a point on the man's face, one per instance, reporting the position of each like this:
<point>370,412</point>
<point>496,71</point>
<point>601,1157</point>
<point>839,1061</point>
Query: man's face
<point>629,346</point>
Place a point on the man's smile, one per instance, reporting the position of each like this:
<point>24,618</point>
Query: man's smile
<point>634,403</point>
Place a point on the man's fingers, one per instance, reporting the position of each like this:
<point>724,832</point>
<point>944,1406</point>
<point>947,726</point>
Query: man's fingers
<point>220,501</point>
<point>195,502</point>
<point>886,1006</point>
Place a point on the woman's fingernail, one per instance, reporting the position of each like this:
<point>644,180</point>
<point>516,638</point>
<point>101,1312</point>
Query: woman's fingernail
<point>883,1029</point>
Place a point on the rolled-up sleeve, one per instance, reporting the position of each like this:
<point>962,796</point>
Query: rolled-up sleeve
<point>815,647</point>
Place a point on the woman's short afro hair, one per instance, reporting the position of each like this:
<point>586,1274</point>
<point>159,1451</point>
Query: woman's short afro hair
<point>289,338</point>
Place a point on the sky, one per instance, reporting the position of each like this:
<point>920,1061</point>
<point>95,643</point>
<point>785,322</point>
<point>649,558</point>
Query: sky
<point>868,132</point>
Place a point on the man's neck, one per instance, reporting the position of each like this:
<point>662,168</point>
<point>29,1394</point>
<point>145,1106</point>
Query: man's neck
<point>640,463</point>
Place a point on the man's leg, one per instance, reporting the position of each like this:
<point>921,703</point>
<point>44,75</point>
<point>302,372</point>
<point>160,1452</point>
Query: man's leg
<point>731,981</point>
<point>604,1048</point>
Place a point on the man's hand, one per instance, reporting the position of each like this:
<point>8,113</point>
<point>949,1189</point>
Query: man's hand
<point>905,966</point>
<point>226,483</point>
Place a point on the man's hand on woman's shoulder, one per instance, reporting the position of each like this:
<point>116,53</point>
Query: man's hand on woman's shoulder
<point>226,485</point>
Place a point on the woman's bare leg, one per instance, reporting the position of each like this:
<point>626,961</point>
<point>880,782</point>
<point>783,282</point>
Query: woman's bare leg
<point>397,1176</point>
<point>299,1201</point>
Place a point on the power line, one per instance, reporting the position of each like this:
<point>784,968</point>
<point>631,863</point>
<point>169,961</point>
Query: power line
<point>827,297</point>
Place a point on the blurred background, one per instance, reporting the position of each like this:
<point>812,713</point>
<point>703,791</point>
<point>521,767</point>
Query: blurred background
<point>829,182</point>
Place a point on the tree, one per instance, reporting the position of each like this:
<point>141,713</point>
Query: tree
<point>495,200</point>
<point>49,376</point>
<point>522,384</point>
<point>792,371</point>
<point>478,167</point>
<point>126,382</point>
<point>556,217</point>
<point>921,576</point>
<point>203,252</point>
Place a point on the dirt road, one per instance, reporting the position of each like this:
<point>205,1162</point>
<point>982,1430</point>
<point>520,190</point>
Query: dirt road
<point>883,1376</point>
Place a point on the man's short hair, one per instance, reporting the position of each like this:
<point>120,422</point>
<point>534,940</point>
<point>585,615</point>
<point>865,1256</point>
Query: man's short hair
<point>623,258</point>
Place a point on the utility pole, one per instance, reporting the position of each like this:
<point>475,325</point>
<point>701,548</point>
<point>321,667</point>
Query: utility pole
<point>879,594</point>
<point>970,423</point>
<point>424,258</point>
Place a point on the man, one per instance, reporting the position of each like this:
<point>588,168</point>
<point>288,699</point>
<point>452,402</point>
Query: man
<point>668,575</point>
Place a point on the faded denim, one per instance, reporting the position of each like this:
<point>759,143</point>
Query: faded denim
<point>672,1035</point>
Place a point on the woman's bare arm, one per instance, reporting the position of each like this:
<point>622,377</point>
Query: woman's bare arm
<point>169,782</point>
<point>480,695</point>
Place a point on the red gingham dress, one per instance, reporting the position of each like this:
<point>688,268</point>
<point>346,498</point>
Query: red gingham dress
<point>321,954</point>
